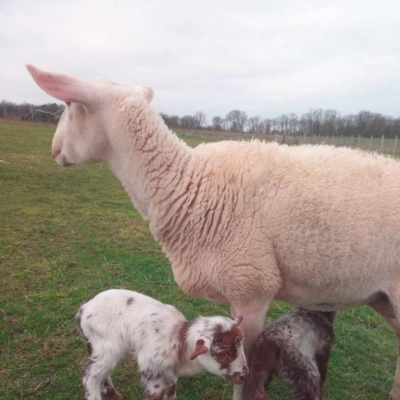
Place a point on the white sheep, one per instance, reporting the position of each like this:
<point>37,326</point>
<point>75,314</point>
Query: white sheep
<point>119,324</point>
<point>245,222</point>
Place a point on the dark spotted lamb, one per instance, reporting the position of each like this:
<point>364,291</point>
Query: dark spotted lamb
<point>295,348</point>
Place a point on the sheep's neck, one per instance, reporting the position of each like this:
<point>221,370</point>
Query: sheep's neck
<point>150,161</point>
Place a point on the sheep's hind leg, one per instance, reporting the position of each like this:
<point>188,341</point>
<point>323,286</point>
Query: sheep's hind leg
<point>395,392</point>
<point>389,308</point>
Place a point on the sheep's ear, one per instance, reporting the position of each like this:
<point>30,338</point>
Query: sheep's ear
<point>63,87</point>
<point>200,348</point>
<point>148,93</point>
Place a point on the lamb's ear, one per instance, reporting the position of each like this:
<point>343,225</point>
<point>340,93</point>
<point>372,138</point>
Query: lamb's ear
<point>148,93</point>
<point>237,320</point>
<point>200,348</point>
<point>63,87</point>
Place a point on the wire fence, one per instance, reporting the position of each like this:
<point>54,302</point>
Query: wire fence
<point>389,146</point>
<point>373,144</point>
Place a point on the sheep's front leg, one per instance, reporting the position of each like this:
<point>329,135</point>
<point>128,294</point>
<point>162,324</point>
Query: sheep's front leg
<point>253,321</point>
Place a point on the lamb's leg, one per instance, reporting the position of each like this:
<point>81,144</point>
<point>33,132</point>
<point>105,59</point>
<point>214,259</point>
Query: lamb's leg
<point>155,385</point>
<point>253,321</point>
<point>91,382</point>
<point>170,381</point>
<point>322,360</point>
<point>302,377</point>
<point>108,390</point>
<point>96,381</point>
<point>96,378</point>
<point>170,392</point>
<point>263,358</point>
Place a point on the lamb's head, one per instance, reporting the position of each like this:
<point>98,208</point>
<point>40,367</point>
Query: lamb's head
<point>83,133</point>
<point>219,347</point>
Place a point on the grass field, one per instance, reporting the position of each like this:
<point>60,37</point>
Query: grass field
<point>66,234</point>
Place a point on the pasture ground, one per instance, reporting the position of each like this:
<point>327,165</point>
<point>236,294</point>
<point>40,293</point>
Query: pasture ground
<point>67,234</point>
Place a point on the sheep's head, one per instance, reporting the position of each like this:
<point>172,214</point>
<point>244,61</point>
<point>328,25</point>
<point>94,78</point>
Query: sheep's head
<point>82,135</point>
<point>219,348</point>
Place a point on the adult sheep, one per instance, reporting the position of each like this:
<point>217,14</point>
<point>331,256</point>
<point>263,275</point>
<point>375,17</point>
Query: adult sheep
<point>245,222</point>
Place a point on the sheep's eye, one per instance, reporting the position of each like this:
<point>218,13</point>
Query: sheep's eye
<point>68,103</point>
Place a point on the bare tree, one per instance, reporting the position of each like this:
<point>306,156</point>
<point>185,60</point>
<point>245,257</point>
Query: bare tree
<point>282,124</point>
<point>188,122</point>
<point>199,120</point>
<point>237,120</point>
<point>254,124</point>
<point>217,123</point>
<point>293,124</point>
<point>172,121</point>
<point>266,126</point>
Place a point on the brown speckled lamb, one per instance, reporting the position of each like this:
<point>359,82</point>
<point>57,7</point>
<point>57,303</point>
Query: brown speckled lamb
<point>296,348</point>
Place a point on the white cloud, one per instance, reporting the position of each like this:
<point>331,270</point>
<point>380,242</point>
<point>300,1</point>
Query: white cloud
<point>264,57</point>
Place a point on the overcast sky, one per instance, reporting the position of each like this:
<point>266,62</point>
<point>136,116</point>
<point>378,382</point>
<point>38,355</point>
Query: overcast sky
<point>263,57</point>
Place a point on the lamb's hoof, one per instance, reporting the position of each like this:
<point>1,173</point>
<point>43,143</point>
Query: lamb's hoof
<point>114,395</point>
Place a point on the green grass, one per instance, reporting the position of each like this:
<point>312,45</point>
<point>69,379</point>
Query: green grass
<point>66,234</point>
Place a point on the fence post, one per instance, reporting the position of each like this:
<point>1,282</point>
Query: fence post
<point>383,138</point>
<point>370,143</point>
<point>395,145</point>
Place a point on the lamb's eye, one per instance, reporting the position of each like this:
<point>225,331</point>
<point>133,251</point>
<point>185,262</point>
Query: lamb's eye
<point>68,103</point>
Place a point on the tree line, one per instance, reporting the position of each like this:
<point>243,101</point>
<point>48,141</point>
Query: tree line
<point>316,122</point>
<point>49,112</point>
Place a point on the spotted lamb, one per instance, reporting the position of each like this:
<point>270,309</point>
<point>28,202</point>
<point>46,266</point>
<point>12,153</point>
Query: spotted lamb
<point>119,324</point>
<point>295,348</point>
